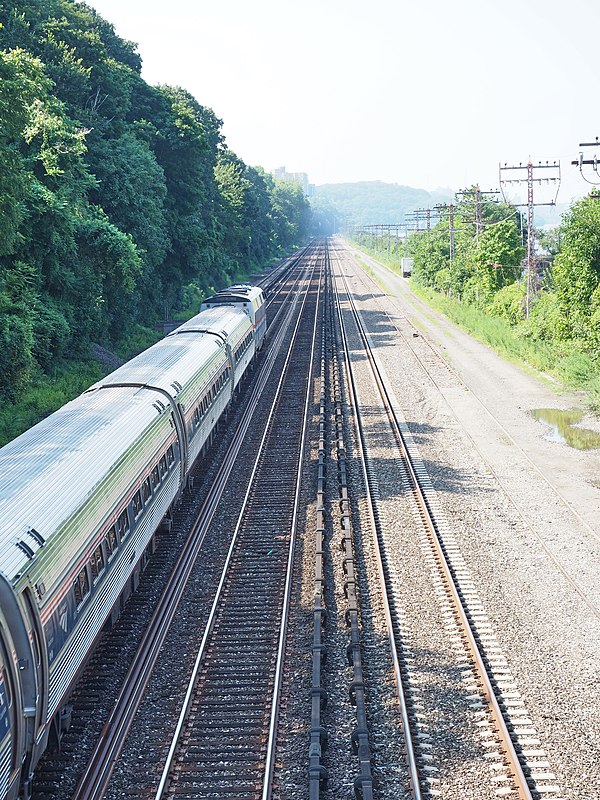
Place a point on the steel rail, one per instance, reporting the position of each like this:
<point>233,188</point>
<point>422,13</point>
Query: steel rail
<point>163,783</point>
<point>270,755</point>
<point>594,608</point>
<point>518,776</point>
<point>95,778</point>
<point>411,756</point>
<point>361,745</point>
<point>540,472</point>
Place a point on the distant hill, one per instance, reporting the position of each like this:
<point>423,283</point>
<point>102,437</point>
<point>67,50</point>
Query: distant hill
<point>373,202</point>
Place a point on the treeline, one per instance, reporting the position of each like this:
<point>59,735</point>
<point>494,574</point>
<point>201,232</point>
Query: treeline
<point>118,200</point>
<point>481,262</point>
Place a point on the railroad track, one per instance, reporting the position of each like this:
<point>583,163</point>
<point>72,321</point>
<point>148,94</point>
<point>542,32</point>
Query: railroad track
<point>225,736</point>
<point>97,691</point>
<point>431,363</point>
<point>519,768</point>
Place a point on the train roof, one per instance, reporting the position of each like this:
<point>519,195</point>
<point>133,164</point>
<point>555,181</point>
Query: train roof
<point>174,361</point>
<point>48,472</point>
<point>239,293</point>
<point>223,322</point>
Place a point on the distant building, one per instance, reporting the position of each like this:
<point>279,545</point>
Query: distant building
<point>296,177</point>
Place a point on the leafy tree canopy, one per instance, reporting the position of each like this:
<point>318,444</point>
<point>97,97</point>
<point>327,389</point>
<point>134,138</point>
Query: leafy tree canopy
<point>117,199</point>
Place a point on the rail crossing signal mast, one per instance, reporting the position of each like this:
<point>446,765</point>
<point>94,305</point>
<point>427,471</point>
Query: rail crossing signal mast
<point>551,177</point>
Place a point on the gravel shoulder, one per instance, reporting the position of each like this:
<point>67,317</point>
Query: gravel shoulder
<point>526,510</point>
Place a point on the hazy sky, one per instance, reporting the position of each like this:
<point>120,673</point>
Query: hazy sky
<point>426,93</point>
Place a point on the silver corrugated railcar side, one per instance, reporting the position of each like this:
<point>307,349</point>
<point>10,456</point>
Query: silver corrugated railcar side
<point>11,730</point>
<point>232,326</point>
<point>193,372</point>
<point>65,485</point>
<point>81,495</point>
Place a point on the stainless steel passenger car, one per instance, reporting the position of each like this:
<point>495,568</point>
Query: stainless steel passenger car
<point>249,298</point>
<point>81,496</point>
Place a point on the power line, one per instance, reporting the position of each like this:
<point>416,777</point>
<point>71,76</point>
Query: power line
<point>593,162</point>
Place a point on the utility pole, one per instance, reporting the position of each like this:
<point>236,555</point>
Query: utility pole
<point>478,202</point>
<point>591,162</point>
<point>552,177</point>
<point>421,215</point>
<point>447,210</point>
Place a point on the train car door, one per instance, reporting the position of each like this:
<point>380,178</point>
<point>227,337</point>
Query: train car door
<point>40,658</point>
<point>9,723</point>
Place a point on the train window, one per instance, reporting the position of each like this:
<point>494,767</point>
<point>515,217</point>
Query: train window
<point>7,686</point>
<point>137,503</point>
<point>123,524</point>
<point>111,541</point>
<point>81,586</point>
<point>97,562</point>
<point>146,490</point>
<point>196,418</point>
<point>170,455</point>
<point>162,466</point>
<point>155,477</point>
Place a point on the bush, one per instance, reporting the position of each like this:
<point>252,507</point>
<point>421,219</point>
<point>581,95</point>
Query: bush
<point>138,339</point>
<point>16,359</point>
<point>51,332</point>
<point>509,302</point>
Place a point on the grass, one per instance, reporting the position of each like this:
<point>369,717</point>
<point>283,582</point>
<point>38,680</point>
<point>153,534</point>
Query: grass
<point>139,339</point>
<point>45,395</point>
<point>561,360</point>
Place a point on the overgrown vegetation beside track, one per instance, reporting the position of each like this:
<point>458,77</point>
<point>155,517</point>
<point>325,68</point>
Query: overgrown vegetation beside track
<point>45,394</point>
<point>483,289</point>
<point>119,201</point>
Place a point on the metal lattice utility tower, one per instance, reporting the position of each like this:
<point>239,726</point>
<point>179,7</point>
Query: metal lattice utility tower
<point>529,178</point>
<point>592,162</point>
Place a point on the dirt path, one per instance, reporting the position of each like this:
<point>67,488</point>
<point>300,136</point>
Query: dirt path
<point>496,409</point>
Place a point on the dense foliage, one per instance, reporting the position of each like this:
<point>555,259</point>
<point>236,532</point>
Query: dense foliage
<point>118,200</point>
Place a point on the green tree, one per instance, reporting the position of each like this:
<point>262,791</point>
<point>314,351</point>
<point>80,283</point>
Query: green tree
<point>576,274</point>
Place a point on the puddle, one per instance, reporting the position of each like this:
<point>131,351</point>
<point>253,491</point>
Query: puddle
<point>562,430</point>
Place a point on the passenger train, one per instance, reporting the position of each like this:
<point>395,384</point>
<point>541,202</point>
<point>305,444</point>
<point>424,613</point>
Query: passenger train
<point>81,496</point>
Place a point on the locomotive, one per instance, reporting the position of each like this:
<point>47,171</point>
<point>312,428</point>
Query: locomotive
<point>82,494</point>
